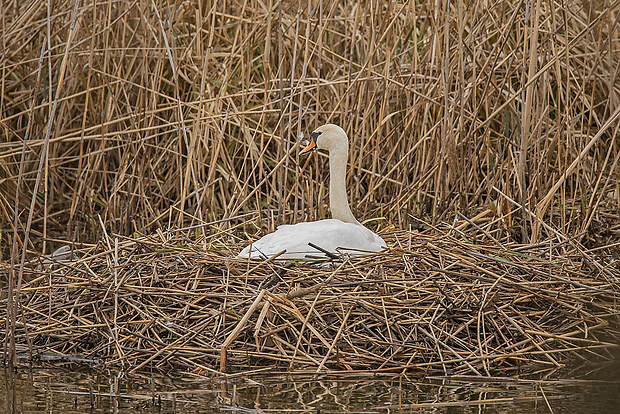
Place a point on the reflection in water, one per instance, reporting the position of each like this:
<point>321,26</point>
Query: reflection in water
<point>82,391</point>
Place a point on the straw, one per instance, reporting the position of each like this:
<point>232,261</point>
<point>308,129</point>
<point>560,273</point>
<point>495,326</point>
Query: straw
<point>443,304</point>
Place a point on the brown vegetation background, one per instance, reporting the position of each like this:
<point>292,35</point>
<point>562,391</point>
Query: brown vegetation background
<point>143,115</point>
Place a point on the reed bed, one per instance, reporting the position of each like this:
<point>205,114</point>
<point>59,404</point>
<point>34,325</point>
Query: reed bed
<point>442,300</point>
<point>158,114</point>
<point>122,119</point>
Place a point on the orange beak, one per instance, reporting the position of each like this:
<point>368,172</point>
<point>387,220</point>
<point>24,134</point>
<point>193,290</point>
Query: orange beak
<point>310,147</point>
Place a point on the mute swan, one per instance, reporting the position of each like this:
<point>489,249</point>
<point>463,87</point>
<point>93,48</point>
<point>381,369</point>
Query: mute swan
<point>342,231</point>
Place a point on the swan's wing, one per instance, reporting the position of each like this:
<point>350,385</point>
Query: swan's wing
<point>292,238</point>
<point>328,234</point>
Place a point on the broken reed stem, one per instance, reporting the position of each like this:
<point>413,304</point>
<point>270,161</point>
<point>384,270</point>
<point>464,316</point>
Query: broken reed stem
<point>333,344</point>
<point>233,335</point>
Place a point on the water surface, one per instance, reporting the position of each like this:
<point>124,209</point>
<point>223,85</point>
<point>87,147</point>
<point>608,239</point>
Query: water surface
<point>591,389</point>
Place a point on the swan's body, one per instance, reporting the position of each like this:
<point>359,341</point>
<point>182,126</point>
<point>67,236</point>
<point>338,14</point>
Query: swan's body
<point>341,233</point>
<point>331,234</point>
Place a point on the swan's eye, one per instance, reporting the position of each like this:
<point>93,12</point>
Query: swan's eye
<point>315,135</point>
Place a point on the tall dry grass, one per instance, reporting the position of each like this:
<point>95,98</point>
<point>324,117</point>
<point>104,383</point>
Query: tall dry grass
<point>127,117</point>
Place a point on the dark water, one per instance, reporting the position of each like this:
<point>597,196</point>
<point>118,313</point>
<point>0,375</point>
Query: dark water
<point>593,389</point>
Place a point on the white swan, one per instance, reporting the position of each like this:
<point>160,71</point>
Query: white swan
<point>343,231</point>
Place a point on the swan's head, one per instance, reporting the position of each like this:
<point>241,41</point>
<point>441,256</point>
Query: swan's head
<point>329,137</point>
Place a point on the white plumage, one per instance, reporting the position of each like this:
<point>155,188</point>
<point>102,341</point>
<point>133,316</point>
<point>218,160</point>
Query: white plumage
<point>332,235</point>
<point>343,233</point>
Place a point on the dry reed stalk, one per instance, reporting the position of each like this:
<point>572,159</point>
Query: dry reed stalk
<point>173,117</point>
<point>168,116</point>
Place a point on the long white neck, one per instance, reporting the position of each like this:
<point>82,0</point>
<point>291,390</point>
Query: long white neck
<point>338,202</point>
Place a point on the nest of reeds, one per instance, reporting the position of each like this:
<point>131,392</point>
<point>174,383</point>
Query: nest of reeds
<point>440,299</point>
